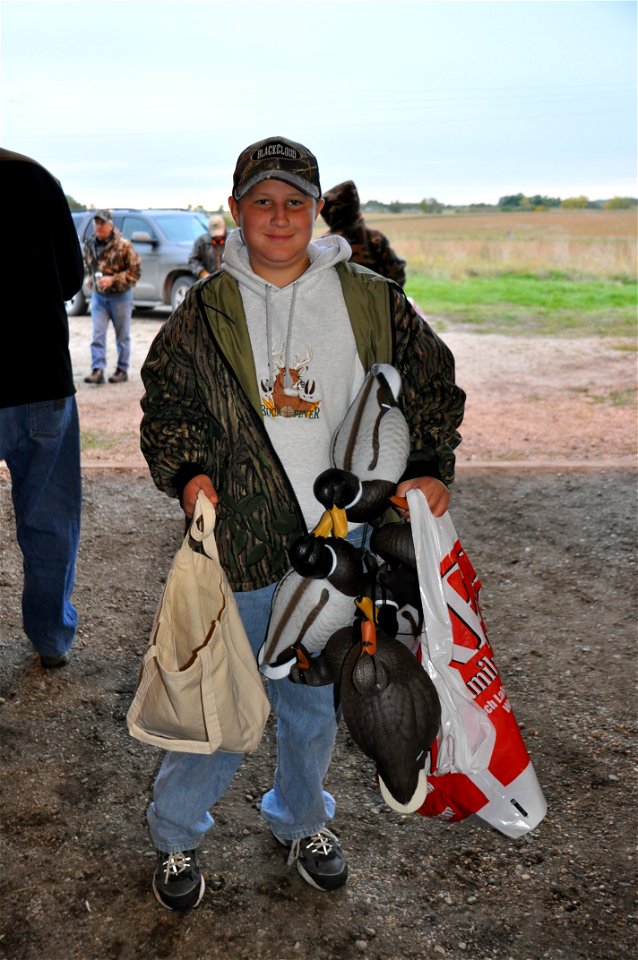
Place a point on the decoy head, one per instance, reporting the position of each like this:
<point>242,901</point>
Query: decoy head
<point>311,557</point>
<point>336,490</point>
<point>339,488</point>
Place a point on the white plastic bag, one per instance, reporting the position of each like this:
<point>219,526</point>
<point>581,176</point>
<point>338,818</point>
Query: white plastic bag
<point>479,764</point>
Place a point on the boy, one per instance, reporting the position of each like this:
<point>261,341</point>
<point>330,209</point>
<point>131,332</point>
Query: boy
<point>245,386</point>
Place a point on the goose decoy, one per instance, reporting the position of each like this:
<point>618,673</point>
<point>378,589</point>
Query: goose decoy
<point>373,440</point>
<point>312,601</point>
<point>347,498</point>
<point>392,711</point>
<point>369,452</point>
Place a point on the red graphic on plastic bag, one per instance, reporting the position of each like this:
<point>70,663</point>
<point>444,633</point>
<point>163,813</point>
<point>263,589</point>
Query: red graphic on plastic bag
<point>453,796</point>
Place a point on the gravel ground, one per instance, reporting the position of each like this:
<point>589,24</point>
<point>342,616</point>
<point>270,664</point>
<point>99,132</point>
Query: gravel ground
<point>555,552</point>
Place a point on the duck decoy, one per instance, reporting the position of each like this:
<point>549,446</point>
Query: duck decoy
<point>393,713</point>
<point>389,703</point>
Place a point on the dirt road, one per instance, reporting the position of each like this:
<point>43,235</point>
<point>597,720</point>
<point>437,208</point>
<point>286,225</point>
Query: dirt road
<point>530,399</point>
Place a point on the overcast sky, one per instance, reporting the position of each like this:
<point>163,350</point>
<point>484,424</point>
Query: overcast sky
<point>149,103</point>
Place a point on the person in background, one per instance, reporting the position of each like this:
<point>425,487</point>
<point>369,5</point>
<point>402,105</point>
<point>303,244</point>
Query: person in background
<point>114,268</point>
<point>371,248</point>
<point>208,250</point>
<point>39,423</point>
<point>245,385</point>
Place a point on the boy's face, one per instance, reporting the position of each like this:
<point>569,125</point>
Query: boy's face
<point>276,221</point>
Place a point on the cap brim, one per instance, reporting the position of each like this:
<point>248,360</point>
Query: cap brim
<point>292,178</point>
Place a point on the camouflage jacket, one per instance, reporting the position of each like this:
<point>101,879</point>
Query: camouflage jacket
<point>117,258</point>
<point>370,248</point>
<point>202,411</point>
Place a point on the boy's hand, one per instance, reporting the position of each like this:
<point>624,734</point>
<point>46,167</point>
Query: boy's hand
<point>434,491</point>
<point>192,488</point>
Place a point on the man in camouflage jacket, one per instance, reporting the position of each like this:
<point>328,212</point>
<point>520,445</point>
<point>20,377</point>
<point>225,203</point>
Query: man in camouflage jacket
<point>114,268</point>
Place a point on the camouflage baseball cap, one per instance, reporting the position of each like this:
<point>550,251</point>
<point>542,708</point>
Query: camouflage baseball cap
<point>277,159</point>
<point>103,214</point>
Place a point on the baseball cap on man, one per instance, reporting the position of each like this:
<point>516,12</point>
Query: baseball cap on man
<point>103,214</point>
<point>216,226</point>
<point>277,158</point>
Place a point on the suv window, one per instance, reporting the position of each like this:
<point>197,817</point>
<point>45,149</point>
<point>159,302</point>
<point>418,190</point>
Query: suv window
<point>179,230</point>
<point>131,225</point>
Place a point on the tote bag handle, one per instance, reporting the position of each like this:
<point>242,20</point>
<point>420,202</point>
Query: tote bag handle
<point>202,528</point>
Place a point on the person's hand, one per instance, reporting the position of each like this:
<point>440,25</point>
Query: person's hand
<point>434,491</point>
<point>105,282</point>
<point>192,488</point>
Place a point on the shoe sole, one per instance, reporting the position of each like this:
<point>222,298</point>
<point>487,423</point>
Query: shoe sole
<point>186,906</point>
<point>331,883</point>
<point>54,663</point>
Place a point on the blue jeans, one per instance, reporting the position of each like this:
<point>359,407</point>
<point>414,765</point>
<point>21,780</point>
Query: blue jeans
<point>41,445</point>
<point>189,784</point>
<point>117,308</point>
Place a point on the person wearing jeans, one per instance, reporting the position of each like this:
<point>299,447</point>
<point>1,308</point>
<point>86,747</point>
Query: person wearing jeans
<point>116,309</point>
<point>40,443</point>
<point>245,386</point>
<point>114,269</point>
<point>39,424</point>
<point>297,806</point>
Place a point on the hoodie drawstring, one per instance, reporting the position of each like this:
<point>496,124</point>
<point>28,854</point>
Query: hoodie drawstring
<point>287,382</point>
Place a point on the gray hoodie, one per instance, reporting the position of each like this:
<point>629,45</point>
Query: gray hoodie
<point>306,359</point>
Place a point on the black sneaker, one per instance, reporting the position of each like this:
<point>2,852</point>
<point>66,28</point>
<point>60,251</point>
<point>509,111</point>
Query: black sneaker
<point>319,858</point>
<point>97,376</point>
<point>120,376</point>
<point>53,663</point>
<point>177,882</point>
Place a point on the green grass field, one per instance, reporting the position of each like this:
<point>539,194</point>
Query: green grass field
<point>567,273</point>
<point>525,303</point>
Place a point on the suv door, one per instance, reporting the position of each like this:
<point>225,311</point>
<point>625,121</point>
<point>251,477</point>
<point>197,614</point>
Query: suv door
<point>79,304</point>
<point>149,286</point>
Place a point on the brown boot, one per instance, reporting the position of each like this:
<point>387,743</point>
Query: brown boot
<point>96,377</point>
<point>120,376</point>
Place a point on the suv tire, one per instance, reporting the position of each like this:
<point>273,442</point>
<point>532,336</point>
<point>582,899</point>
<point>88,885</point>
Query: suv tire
<point>179,290</point>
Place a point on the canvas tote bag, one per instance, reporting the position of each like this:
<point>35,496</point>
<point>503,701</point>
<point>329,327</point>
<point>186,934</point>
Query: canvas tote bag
<point>199,689</point>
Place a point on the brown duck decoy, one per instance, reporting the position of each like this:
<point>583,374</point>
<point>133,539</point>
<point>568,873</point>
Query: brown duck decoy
<point>392,711</point>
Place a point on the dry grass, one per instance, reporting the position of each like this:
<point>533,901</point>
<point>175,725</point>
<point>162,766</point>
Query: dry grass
<point>574,243</point>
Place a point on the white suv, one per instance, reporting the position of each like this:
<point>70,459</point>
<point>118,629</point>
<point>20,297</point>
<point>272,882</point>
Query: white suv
<point>164,240</point>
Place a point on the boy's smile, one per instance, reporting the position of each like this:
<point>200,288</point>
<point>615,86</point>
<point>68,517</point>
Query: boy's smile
<point>276,221</point>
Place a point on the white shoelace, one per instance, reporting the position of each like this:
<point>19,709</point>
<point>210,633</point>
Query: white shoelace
<point>320,842</point>
<point>176,864</point>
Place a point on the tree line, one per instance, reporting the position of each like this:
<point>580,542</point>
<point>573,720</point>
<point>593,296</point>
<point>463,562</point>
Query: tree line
<point>516,201</point>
